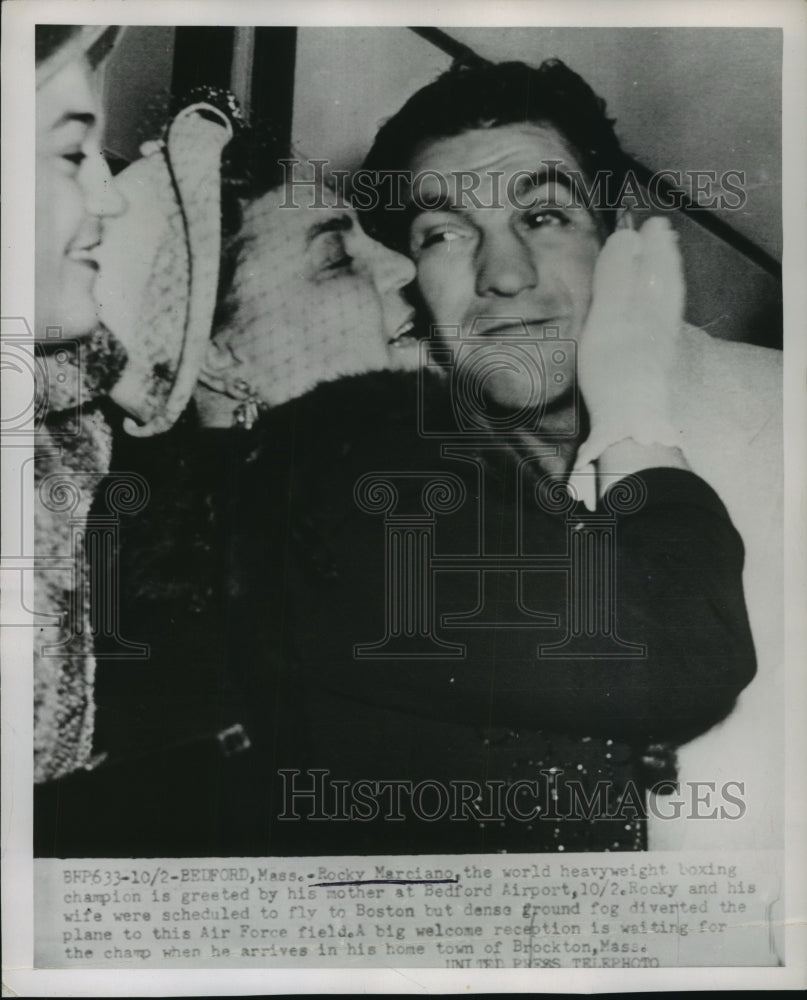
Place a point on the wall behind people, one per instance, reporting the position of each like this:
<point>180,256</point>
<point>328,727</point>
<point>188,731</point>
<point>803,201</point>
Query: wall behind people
<point>137,88</point>
<point>348,80</point>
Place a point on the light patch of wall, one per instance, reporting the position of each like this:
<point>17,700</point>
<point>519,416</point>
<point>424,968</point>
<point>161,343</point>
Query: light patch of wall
<point>348,80</point>
<point>137,86</point>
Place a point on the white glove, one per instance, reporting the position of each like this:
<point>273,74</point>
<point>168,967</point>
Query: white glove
<point>629,342</point>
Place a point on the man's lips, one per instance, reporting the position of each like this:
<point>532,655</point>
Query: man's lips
<point>514,327</point>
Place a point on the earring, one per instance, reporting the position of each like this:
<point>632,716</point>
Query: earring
<point>249,409</point>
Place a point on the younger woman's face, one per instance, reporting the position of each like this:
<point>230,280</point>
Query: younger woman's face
<point>74,192</point>
<point>316,298</point>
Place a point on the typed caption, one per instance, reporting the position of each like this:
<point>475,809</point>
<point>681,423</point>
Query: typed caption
<point>517,911</point>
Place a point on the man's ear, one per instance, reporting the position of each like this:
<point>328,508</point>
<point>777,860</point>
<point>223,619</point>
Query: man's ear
<point>218,367</point>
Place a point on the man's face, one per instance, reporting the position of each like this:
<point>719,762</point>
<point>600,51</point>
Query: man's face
<point>74,190</point>
<point>527,258</point>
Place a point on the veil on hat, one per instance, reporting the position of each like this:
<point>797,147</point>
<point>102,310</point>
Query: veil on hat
<point>159,264</point>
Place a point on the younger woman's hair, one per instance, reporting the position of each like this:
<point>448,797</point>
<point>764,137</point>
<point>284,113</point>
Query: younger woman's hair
<point>92,42</point>
<point>51,37</point>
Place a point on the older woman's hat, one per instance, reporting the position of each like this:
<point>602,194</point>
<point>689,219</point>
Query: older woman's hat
<point>159,271</point>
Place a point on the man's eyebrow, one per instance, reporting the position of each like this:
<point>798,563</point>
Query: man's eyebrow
<point>335,224</point>
<point>543,176</point>
<point>527,180</point>
<point>86,118</point>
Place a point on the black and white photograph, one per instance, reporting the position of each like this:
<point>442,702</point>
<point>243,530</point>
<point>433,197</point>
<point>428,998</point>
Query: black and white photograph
<point>398,565</point>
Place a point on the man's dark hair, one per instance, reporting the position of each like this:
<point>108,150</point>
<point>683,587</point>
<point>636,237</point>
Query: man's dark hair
<point>486,95</point>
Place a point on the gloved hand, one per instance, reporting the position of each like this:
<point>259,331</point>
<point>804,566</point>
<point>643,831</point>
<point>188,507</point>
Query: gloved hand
<point>628,345</point>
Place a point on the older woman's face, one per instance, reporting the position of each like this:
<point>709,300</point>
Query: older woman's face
<point>317,298</point>
<point>74,191</point>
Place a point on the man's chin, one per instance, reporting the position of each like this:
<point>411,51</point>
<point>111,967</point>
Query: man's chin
<point>550,412</point>
<point>505,394</point>
<point>514,396</point>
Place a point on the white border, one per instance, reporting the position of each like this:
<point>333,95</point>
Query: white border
<point>17,298</point>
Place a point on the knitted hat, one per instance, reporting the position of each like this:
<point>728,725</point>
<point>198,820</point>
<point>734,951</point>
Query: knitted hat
<point>159,266</point>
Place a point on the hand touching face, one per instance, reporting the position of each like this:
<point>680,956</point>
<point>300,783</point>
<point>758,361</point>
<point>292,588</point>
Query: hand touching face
<point>630,341</point>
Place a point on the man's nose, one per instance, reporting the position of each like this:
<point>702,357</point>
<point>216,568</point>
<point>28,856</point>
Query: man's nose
<point>391,270</point>
<point>505,266</point>
<point>102,195</point>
